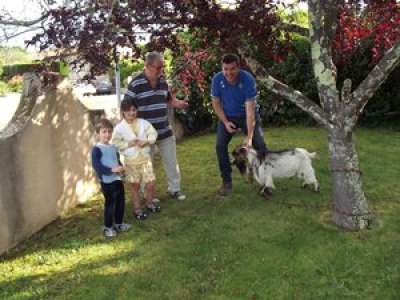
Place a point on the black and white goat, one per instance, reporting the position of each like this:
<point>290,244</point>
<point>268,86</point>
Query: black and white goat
<point>263,167</point>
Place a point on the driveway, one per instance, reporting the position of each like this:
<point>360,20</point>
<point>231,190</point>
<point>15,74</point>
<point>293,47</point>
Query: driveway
<point>8,106</point>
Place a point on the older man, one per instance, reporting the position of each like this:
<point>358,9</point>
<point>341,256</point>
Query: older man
<point>233,93</point>
<point>150,91</point>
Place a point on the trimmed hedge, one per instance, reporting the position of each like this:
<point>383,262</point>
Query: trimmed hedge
<point>19,69</point>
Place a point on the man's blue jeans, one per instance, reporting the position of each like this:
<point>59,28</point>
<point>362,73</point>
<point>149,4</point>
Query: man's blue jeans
<point>223,139</point>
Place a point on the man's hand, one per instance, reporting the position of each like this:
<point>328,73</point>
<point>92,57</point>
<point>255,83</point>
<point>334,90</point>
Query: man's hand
<point>175,103</point>
<point>249,143</point>
<point>118,169</point>
<point>230,127</point>
<point>181,104</point>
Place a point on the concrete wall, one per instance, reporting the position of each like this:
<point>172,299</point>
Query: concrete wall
<point>44,160</point>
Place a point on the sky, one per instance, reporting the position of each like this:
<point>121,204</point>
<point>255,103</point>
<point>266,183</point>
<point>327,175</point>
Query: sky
<point>22,9</point>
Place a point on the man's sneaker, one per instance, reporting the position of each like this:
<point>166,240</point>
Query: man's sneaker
<point>177,195</point>
<point>109,232</point>
<point>225,189</point>
<point>122,227</point>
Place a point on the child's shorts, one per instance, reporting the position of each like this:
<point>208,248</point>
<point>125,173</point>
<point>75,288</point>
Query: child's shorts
<point>139,172</point>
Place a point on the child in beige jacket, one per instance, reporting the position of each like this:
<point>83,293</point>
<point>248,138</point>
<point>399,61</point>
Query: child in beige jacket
<point>133,137</point>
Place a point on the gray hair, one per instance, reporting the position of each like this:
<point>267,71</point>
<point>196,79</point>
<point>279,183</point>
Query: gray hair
<point>152,57</point>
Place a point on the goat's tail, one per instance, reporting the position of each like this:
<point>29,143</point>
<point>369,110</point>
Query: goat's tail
<point>310,155</point>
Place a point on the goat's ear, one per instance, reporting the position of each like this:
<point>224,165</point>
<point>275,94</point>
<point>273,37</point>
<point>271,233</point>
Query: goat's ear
<point>232,160</point>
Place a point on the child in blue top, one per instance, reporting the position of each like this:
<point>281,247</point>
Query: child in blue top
<point>105,161</point>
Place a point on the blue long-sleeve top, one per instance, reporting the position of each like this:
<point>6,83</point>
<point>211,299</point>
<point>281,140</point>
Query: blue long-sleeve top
<point>104,158</point>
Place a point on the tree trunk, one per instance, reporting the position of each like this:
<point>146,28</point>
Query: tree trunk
<point>349,205</point>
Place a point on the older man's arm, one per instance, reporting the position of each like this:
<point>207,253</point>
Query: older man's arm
<point>175,103</point>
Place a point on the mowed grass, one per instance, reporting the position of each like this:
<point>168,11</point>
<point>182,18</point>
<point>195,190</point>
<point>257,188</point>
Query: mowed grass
<point>241,247</point>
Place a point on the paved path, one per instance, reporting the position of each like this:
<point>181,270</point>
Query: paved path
<point>8,106</point>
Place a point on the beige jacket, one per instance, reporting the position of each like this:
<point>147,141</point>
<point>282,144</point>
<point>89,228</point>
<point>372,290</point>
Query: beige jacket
<point>139,129</point>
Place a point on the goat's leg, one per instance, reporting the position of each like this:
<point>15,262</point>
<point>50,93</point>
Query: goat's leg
<point>266,192</point>
<point>250,176</point>
<point>309,177</point>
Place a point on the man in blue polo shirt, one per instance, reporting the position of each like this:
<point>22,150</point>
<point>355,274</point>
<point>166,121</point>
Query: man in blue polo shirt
<point>233,93</point>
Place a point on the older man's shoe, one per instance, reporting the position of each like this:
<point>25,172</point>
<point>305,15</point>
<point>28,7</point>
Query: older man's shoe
<point>177,196</point>
<point>225,189</point>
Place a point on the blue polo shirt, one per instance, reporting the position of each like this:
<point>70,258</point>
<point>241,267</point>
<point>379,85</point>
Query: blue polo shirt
<point>233,97</point>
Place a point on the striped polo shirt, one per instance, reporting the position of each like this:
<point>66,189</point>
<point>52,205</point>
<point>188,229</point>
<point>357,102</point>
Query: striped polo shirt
<point>152,103</point>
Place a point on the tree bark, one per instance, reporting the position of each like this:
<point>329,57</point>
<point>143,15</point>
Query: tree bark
<point>349,204</point>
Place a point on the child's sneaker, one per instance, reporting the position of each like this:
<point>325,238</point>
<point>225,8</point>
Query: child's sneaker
<point>122,227</point>
<point>140,214</point>
<point>109,232</point>
<point>153,208</point>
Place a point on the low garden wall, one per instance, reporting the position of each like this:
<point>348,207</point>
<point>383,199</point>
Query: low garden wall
<point>44,160</point>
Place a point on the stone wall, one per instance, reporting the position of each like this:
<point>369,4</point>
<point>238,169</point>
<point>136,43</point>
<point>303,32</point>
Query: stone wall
<point>44,160</point>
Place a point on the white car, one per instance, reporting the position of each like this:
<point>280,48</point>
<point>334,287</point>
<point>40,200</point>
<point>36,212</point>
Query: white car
<point>103,85</point>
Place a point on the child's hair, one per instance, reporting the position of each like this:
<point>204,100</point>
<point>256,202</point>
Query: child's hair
<point>103,123</point>
<point>126,105</point>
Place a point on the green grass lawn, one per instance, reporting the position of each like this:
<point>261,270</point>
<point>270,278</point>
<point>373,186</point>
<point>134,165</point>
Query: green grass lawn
<point>243,247</point>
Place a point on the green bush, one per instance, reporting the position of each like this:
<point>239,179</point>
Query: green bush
<point>199,116</point>
<point>15,84</point>
<point>384,107</point>
<point>295,71</point>
<point>127,68</point>
<point>63,68</point>
<point>3,88</point>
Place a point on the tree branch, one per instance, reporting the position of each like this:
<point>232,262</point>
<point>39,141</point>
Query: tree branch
<point>285,91</point>
<point>322,24</point>
<point>372,82</point>
<point>14,22</point>
<point>9,36</point>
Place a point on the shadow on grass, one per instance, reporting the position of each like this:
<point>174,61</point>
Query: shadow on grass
<point>207,247</point>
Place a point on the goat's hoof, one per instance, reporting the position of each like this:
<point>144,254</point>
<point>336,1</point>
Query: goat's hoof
<point>266,192</point>
<point>266,196</point>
